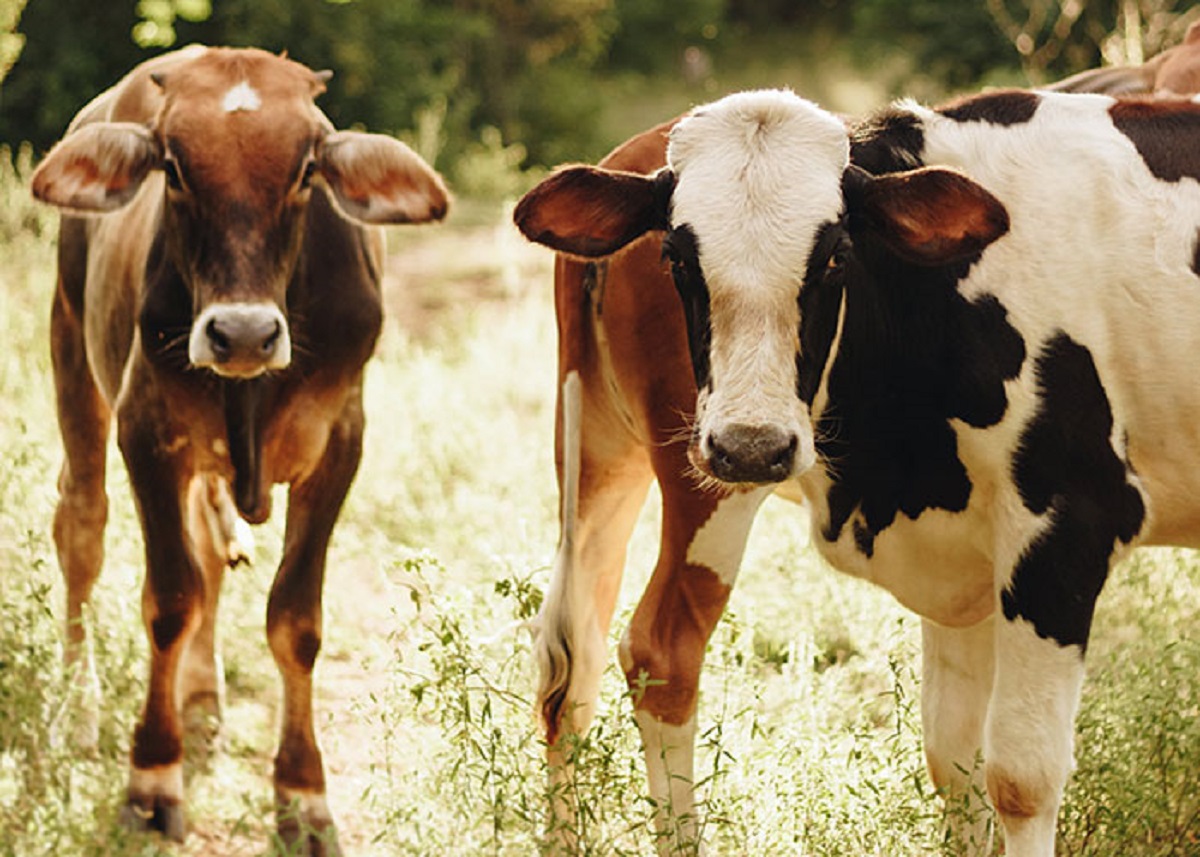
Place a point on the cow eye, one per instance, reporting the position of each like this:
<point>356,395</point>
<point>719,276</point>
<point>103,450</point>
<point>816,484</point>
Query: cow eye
<point>171,171</point>
<point>306,177</point>
<point>841,251</point>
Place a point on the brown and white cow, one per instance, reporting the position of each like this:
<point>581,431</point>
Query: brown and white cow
<point>1175,71</point>
<point>219,291</point>
<point>966,336</point>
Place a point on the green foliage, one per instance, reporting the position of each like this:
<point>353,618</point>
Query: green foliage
<point>157,27</point>
<point>76,49</point>
<point>566,80</point>
<point>11,42</point>
<point>518,68</point>
<point>954,47</point>
<point>652,35</point>
<point>1013,41</point>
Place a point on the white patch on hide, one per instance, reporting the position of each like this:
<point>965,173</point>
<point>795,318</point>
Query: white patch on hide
<point>241,97</point>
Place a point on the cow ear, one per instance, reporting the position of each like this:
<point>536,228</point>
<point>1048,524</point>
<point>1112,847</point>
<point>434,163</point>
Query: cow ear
<point>591,212</point>
<point>377,179</point>
<point>97,168</point>
<point>930,216</point>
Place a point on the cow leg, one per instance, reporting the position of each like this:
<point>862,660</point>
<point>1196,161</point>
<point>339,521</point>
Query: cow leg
<point>83,420</point>
<point>703,537</point>
<point>958,664</point>
<point>294,634</point>
<point>218,541</point>
<point>1030,734</point>
<point>172,610</point>
<point>604,477</point>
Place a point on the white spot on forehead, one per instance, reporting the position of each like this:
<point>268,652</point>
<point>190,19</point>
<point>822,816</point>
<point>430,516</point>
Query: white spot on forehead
<point>241,97</point>
<point>758,174</point>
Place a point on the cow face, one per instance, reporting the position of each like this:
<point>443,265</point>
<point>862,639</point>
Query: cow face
<point>759,203</point>
<point>239,145</point>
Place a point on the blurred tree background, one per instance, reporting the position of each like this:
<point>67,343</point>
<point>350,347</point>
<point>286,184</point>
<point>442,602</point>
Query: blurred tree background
<point>486,87</point>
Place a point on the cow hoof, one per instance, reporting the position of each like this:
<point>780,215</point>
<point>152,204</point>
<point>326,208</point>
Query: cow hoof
<point>305,824</point>
<point>154,814</point>
<point>302,839</point>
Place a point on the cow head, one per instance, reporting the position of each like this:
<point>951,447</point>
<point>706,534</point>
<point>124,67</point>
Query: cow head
<point>758,203</point>
<point>237,145</point>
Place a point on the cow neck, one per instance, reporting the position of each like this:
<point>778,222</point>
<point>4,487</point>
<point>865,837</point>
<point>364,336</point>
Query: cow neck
<point>914,356</point>
<point>244,403</point>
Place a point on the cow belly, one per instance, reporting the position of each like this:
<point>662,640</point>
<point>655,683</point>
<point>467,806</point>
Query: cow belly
<point>1161,427</point>
<point>934,566</point>
<point>1172,487</point>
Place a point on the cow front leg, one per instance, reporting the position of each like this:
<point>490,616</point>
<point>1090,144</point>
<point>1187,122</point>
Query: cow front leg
<point>79,518</point>
<point>1029,742</point>
<point>294,633</point>
<point>1073,507</point>
<point>663,649</point>
<point>172,609</point>
<point>956,685</point>
<point>218,541</point>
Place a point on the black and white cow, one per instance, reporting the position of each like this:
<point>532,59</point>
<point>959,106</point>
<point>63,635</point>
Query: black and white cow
<point>965,333</point>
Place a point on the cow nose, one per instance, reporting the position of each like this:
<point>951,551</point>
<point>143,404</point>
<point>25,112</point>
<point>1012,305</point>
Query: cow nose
<point>243,337</point>
<point>240,340</point>
<point>752,453</point>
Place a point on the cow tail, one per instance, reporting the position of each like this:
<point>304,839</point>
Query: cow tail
<point>556,631</point>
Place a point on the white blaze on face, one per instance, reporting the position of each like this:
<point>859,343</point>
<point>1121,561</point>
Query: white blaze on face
<point>758,174</point>
<point>241,97</point>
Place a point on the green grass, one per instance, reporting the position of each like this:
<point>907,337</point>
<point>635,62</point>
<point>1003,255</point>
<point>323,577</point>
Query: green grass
<point>809,717</point>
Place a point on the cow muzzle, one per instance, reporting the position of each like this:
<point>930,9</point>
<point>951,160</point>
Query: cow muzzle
<point>240,340</point>
<point>749,453</point>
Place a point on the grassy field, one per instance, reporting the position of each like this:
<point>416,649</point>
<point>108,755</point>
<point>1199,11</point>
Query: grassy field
<point>809,716</point>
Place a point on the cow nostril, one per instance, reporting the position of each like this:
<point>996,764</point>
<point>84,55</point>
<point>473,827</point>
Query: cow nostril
<point>220,342</point>
<point>783,459</point>
<point>719,455</point>
<point>272,339</point>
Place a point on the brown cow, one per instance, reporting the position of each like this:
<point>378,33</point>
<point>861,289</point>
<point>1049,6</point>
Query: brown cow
<point>1175,71</point>
<point>223,306</point>
<point>625,384</point>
